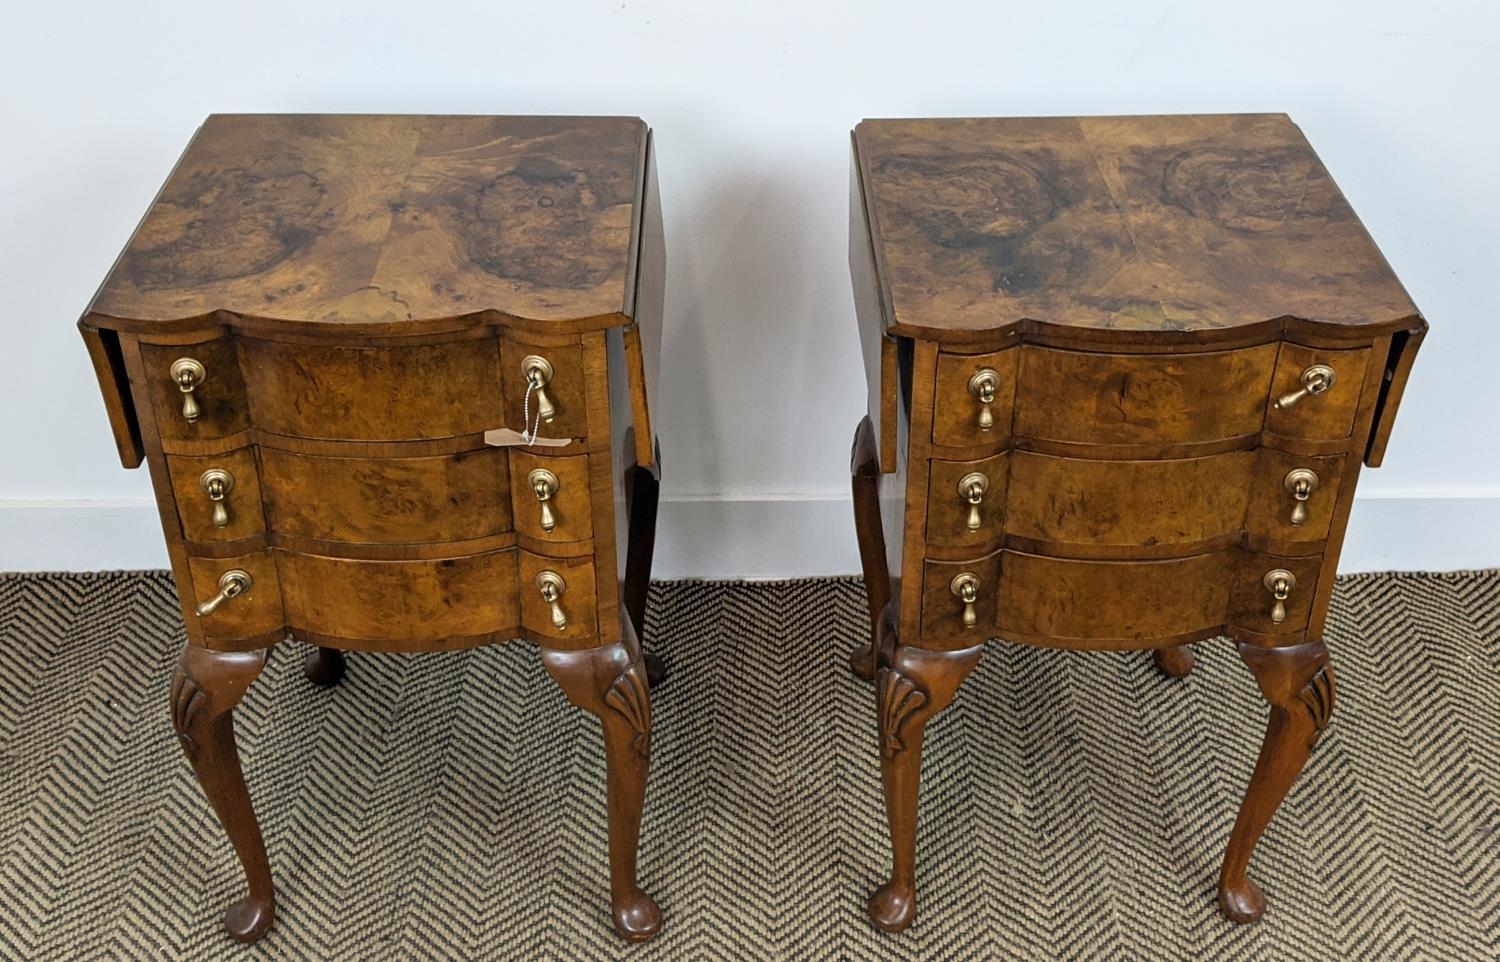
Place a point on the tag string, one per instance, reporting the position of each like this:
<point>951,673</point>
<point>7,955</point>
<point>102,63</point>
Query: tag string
<point>530,438</point>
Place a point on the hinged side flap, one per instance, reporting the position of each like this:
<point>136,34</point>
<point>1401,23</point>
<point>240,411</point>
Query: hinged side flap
<point>1403,353</point>
<point>114,385</point>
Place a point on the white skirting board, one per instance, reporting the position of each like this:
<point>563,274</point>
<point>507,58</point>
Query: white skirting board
<point>785,536</point>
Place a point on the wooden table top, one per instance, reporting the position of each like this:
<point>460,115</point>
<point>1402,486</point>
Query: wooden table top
<point>1174,223</point>
<point>361,218</point>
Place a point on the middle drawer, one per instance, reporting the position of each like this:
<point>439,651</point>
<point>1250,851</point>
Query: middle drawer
<point>1153,507</point>
<point>435,499</point>
<point>452,497</point>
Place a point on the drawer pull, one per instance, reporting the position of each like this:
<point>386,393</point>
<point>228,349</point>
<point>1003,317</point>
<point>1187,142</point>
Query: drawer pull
<point>552,588</point>
<point>538,371</point>
<point>1315,380</point>
<point>544,484</point>
<point>971,487</point>
<point>232,583</point>
<point>983,385</point>
<point>188,373</point>
<point>217,483</point>
<point>1279,582</point>
<point>965,586</point>
<point>1301,482</point>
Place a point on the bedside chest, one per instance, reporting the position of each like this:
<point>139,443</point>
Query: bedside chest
<point>392,377</point>
<point>1123,374</point>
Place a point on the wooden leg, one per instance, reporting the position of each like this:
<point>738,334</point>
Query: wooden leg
<point>911,690</point>
<point>864,473</point>
<point>610,682</point>
<point>643,491</point>
<point>1175,662</point>
<point>324,667</point>
<point>205,688</point>
<point>1299,685</point>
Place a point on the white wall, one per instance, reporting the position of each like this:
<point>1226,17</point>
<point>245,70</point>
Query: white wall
<point>751,102</point>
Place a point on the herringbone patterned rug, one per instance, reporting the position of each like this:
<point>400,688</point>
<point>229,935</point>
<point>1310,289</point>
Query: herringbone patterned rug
<point>451,806</point>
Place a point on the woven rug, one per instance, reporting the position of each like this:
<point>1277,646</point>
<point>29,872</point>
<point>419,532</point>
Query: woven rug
<point>451,806</point>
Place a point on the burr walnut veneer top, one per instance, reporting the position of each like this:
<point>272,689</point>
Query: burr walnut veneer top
<point>390,219</point>
<point>1145,224</point>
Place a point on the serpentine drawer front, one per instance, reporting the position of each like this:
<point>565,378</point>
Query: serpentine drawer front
<point>1123,375</point>
<point>392,379</point>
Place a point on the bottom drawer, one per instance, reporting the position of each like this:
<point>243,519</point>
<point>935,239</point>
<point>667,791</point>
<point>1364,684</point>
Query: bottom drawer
<point>1116,604</point>
<point>400,604</point>
<point>1113,603</point>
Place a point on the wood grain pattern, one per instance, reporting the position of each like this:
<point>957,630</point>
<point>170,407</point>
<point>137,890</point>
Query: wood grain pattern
<point>374,393</point>
<point>948,508</point>
<point>222,409</point>
<point>571,505</point>
<point>1157,283</point>
<point>1154,224</point>
<point>942,611</point>
<point>360,292</point>
<point>387,500</point>
<point>955,421</point>
<point>1250,603</point>
<point>579,603</point>
<point>1141,505</point>
<point>566,389</point>
<point>1326,415</point>
<point>1113,604</point>
<point>243,502</point>
<point>401,605</point>
<point>1270,511</point>
<point>240,622</point>
<point>1139,399</point>
<point>388,219</point>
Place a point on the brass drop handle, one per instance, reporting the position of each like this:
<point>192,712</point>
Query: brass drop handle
<point>538,371</point>
<point>552,588</point>
<point>232,583</point>
<point>217,483</point>
<point>187,374</point>
<point>965,586</point>
<point>1315,380</point>
<point>983,384</point>
<point>971,487</point>
<point>544,484</point>
<point>1279,582</point>
<point>1301,482</point>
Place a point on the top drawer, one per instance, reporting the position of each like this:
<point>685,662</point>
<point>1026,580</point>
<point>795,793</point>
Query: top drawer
<point>1081,397</point>
<point>1142,398</point>
<point>366,393</point>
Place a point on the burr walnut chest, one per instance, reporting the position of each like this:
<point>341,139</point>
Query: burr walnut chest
<point>392,377</point>
<point>1123,374</point>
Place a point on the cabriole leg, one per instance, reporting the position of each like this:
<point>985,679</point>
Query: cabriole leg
<point>909,692</point>
<point>1298,683</point>
<point>610,683</point>
<point>205,689</point>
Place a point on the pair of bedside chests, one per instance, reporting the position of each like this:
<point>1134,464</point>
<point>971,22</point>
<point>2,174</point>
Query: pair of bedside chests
<point>395,380</point>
